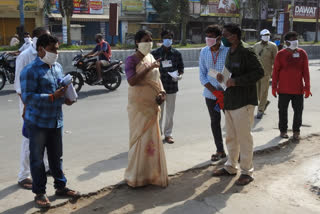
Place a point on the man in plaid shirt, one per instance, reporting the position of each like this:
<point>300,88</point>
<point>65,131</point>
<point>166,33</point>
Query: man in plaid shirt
<point>43,96</point>
<point>171,60</point>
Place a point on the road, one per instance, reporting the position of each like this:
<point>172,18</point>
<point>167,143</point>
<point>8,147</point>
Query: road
<point>96,137</point>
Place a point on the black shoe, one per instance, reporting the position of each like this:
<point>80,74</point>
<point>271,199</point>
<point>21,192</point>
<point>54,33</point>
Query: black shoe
<point>259,115</point>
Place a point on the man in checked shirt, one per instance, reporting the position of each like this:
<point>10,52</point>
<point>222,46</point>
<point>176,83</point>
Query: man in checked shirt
<point>171,60</point>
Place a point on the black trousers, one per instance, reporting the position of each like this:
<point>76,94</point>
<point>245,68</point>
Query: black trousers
<point>215,118</point>
<point>297,105</point>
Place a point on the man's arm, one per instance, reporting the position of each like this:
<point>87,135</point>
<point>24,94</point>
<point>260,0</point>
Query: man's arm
<point>254,70</point>
<point>275,73</point>
<point>203,74</point>
<point>20,64</point>
<point>180,63</point>
<point>306,73</point>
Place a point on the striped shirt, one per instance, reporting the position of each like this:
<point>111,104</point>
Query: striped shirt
<point>37,81</point>
<point>206,63</point>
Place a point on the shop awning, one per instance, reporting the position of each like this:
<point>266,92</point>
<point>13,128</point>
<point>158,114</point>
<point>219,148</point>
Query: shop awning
<point>81,17</point>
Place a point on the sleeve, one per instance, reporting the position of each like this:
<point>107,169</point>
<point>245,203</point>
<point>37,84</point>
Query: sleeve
<point>203,70</point>
<point>23,47</point>
<point>155,54</point>
<point>253,67</point>
<point>306,73</point>
<point>130,68</point>
<point>180,63</point>
<point>95,49</point>
<point>20,64</point>
<point>104,47</point>
<point>29,86</point>
<point>276,72</point>
<point>274,53</point>
<point>109,51</point>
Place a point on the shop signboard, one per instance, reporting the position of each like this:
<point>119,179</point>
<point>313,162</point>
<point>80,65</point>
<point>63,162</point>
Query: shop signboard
<point>226,8</point>
<point>96,6</point>
<point>132,5</point>
<point>29,5</point>
<point>81,6</point>
<point>305,12</point>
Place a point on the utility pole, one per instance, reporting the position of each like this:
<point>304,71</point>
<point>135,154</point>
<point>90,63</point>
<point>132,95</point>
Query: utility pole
<point>317,23</point>
<point>291,15</point>
<point>21,28</point>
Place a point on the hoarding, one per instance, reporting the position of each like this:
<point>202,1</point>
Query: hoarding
<point>305,12</point>
<point>81,6</point>
<point>132,5</point>
<point>226,8</point>
<point>29,5</point>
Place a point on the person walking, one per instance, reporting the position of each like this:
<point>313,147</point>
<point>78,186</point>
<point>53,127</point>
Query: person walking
<point>266,52</point>
<point>146,158</point>
<point>212,58</point>
<point>291,80</point>
<point>171,61</point>
<point>43,96</point>
<point>25,58</point>
<point>240,98</point>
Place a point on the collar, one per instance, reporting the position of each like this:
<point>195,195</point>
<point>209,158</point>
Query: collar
<point>170,49</point>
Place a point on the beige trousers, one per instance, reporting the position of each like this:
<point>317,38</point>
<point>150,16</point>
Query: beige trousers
<point>262,91</point>
<point>239,139</point>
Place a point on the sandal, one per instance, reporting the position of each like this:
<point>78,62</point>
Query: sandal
<point>222,172</point>
<point>169,140</point>
<point>218,156</point>
<point>284,135</point>
<point>244,180</point>
<point>66,192</point>
<point>42,201</point>
<point>26,183</point>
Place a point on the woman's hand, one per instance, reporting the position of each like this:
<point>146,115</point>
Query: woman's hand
<point>161,97</point>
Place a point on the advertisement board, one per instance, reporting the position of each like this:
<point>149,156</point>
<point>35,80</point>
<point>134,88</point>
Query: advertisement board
<point>29,5</point>
<point>132,5</point>
<point>81,6</point>
<point>305,12</point>
<point>226,8</point>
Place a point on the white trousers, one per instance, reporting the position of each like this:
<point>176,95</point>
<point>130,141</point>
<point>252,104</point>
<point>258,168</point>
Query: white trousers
<point>169,104</point>
<point>25,154</point>
<point>239,139</point>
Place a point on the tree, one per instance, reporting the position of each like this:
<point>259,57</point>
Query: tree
<point>174,12</point>
<point>66,8</point>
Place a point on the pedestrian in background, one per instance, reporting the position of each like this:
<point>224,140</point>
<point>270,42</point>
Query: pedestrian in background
<point>43,96</point>
<point>240,98</point>
<point>14,40</point>
<point>266,52</point>
<point>212,57</point>
<point>171,61</point>
<point>27,42</point>
<point>25,58</point>
<point>291,80</point>
<point>146,158</point>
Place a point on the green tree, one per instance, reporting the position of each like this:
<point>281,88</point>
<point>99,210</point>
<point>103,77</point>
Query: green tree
<point>174,12</point>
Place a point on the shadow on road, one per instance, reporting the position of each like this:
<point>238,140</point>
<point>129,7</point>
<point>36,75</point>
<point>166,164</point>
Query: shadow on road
<point>94,92</point>
<point>8,191</point>
<point>7,92</point>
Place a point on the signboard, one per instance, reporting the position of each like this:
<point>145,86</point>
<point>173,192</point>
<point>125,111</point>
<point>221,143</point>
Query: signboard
<point>226,8</point>
<point>29,5</point>
<point>81,6</point>
<point>305,12</point>
<point>132,5</point>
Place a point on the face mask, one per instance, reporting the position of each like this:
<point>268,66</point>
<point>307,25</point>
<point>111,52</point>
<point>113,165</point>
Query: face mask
<point>28,39</point>
<point>34,42</point>
<point>293,44</point>
<point>167,42</point>
<point>225,42</point>
<point>211,41</point>
<point>145,47</point>
<point>265,38</point>
<point>50,58</point>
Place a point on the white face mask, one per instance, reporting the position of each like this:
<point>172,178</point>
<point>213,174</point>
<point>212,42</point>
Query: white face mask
<point>293,44</point>
<point>145,47</point>
<point>27,39</point>
<point>265,38</point>
<point>34,42</point>
<point>50,58</point>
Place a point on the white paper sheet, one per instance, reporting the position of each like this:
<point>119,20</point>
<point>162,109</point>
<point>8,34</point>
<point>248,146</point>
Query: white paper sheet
<point>175,75</point>
<point>226,75</point>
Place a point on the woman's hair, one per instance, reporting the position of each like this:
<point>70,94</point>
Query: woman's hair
<point>140,34</point>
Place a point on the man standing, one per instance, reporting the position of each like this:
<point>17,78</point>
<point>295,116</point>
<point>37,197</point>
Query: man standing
<point>103,51</point>
<point>239,100</point>
<point>171,61</point>
<point>44,96</point>
<point>266,52</point>
<point>291,69</point>
<point>212,57</point>
<point>23,60</point>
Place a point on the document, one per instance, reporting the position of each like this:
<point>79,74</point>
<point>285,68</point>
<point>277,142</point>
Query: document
<point>175,75</point>
<point>226,75</point>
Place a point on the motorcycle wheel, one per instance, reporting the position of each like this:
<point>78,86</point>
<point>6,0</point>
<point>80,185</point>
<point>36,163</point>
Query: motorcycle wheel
<point>77,80</point>
<point>2,80</point>
<point>112,80</point>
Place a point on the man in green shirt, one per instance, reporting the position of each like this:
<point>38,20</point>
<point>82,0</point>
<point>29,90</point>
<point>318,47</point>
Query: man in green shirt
<point>240,99</point>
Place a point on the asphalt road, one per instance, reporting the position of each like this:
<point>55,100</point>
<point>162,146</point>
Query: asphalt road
<point>96,136</point>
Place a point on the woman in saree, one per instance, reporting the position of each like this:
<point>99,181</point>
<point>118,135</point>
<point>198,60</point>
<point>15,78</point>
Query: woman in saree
<point>146,158</point>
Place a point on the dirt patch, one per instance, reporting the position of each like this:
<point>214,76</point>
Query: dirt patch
<point>287,180</point>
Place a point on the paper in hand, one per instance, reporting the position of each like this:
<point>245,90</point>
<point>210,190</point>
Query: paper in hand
<point>175,75</point>
<point>226,75</point>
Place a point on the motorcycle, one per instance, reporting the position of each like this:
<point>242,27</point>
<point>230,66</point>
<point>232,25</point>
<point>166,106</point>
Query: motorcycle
<point>7,69</point>
<point>86,72</point>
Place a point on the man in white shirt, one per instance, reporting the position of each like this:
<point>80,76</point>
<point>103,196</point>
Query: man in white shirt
<point>27,42</point>
<point>26,57</point>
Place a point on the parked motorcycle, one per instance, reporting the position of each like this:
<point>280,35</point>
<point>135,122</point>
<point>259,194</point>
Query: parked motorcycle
<point>7,69</point>
<point>86,72</point>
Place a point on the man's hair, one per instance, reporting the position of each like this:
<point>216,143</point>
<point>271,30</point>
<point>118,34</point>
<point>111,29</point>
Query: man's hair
<point>46,40</point>
<point>166,32</point>
<point>140,34</point>
<point>99,36</point>
<point>290,34</point>
<point>233,29</point>
<point>215,29</point>
<point>37,32</point>
<point>26,34</point>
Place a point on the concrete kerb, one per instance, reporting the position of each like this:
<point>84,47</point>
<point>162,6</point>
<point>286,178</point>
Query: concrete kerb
<point>121,184</point>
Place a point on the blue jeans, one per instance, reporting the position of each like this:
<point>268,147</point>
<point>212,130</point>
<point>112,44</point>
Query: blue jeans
<point>41,138</point>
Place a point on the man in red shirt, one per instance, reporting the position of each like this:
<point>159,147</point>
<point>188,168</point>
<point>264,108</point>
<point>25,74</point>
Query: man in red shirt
<point>291,80</point>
